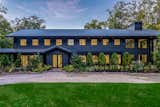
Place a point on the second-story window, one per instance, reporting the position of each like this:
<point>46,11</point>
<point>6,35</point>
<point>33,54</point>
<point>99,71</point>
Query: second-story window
<point>93,42</point>
<point>82,42</point>
<point>105,42</point>
<point>129,43</point>
<point>35,42</point>
<point>70,42</point>
<point>58,42</point>
<point>47,42</point>
<point>23,42</point>
<point>142,43</point>
<point>117,42</point>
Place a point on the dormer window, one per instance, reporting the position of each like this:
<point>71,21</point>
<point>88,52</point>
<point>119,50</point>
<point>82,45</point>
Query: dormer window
<point>23,42</point>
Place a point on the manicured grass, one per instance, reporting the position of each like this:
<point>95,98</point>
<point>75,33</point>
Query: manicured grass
<point>80,95</point>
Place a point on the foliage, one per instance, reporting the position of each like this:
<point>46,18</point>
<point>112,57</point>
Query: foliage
<point>89,60</point>
<point>76,61</point>
<point>114,59</point>
<point>6,60</point>
<point>32,22</point>
<point>101,59</point>
<point>6,43</point>
<point>69,68</point>
<point>138,66</point>
<point>95,24</point>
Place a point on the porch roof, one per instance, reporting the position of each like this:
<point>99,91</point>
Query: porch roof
<point>30,51</point>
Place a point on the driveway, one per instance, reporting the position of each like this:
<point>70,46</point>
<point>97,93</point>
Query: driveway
<point>81,77</point>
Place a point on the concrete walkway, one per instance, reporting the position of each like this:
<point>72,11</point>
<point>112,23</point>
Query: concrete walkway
<point>81,77</point>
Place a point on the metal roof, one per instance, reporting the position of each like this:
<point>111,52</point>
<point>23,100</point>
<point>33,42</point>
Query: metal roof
<point>11,50</point>
<point>84,32</point>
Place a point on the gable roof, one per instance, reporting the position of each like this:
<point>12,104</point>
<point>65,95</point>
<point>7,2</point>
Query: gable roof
<point>84,32</point>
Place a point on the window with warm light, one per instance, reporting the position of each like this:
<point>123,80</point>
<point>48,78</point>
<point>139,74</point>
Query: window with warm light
<point>70,42</point>
<point>107,59</point>
<point>142,58</point>
<point>117,42</point>
<point>132,57</point>
<point>23,42</point>
<point>119,59</point>
<point>58,42</point>
<point>95,59</point>
<point>24,60</point>
<point>93,42</point>
<point>47,42</point>
<point>105,41</point>
<point>129,43</point>
<point>35,42</point>
<point>82,42</point>
<point>142,43</point>
<point>83,58</point>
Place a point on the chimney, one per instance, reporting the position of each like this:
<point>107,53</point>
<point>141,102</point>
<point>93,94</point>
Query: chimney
<point>136,26</point>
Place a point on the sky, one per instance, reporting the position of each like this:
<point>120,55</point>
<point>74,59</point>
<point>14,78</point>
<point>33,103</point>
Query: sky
<point>59,14</point>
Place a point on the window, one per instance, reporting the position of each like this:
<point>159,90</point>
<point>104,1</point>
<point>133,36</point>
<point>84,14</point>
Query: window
<point>142,58</point>
<point>35,42</point>
<point>132,57</point>
<point>70,42</point>
<point>95,59</point>
<point>47,42</point>
<point>142,43</point>
<point>129,43</point>
<point>82,42</point>
<point>105,41</point>
<point>107,59</point>
<point>24,60</point>
<point>117,42</point>
<point>83,57</point>
<point>23,42</point>
<point>58,42</point>
<point>119,59</point>
<point>94,42</point>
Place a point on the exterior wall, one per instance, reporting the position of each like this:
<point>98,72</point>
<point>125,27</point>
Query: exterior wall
<point>77,49</point>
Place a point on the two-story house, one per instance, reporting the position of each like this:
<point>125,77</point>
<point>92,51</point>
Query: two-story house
<point>58,45</point>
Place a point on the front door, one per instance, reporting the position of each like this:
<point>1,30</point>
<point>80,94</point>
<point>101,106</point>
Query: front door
<point>57,60</point>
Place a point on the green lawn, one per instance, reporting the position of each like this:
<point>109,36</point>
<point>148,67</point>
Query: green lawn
<point>80,95</point>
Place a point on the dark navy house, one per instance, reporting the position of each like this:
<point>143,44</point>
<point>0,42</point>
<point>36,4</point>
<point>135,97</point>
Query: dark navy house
<point>58,45</point>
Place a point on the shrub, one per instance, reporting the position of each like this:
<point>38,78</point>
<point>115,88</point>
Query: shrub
<point>76,61</point>
<point>126,61</point>
<point>101,59</point>
<point>89,60</point>
<point>6,60</point>
<point>138,66</point>
<point>114,59</point>
<point>69,68</point>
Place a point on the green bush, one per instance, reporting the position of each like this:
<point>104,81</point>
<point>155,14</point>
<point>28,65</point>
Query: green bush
<point>101,59</point>
<point>114,59</point>
<point>68,68</point>
<point>89,61</point>
<point>138,66</point>
<point>76,61</point>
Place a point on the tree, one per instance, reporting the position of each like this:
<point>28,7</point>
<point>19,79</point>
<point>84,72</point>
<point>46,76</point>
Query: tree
<point>126,60</point>
<point>114,59</point>
<point>89,60</point>
<point>101,59</point>
<point>32,22</point>
<point>95,24</point>
<point>76,61</point>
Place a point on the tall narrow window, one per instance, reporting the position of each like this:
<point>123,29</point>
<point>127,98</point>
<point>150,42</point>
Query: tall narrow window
<point>83,58</point>
<point>47,42</point>
<point>23,42</point>
<point>107,59</point>
<point>142,58</point>
<point>119,59</point>
<point>58,42</point>
<point>117,42</point>
<point>129,43</point>
<point>35,42</point>
<point>24,60</point>
<point>95,59</point>
<point>93,42</point>
<point>142,43</point>
<point>70,42</point>
<point>105,42</point>
<point>82,42</point>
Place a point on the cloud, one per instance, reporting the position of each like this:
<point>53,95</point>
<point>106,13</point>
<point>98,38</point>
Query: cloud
<point>63,8</point>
